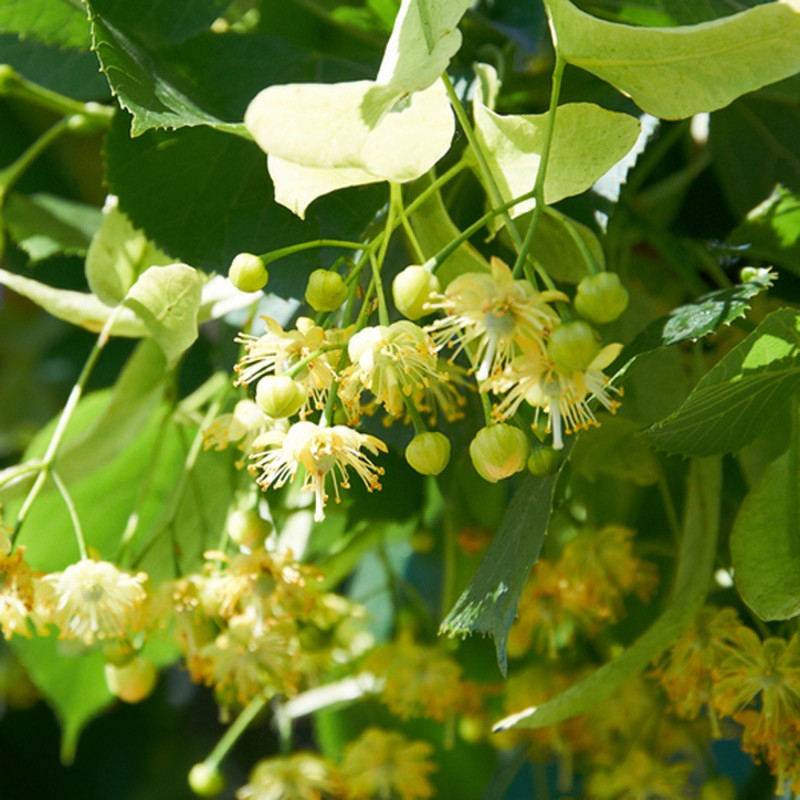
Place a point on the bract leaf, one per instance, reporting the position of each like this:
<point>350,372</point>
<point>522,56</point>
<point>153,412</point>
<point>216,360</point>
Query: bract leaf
<point>735,400</point>
<point>587,142</point>
<point>79,308</point>
<point>167,300</point>
<point>765,548</point>
<point>677,72</point>
<point>324,127</point>
<point>698,550</point>
<point>489,603</point>
<point>117,254</point>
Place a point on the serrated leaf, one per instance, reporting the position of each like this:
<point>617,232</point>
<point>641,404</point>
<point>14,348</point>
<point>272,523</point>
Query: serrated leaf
<point>489,604</point>
<point>44,225</point>
<point>765,541</point>
<point>58,22</point>
<point>740,395</point>
<point>117,255</point>
<point>698,551</point>
<point>167,300</point>
<point>587,142</point>
<point>695,320</point>
<point>78,308</point>
<point>674,73</point>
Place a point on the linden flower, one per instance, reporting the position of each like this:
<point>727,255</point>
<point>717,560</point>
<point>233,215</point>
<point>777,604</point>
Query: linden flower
<point>92,600</point>
<point>641,776</point>
<point>382,764</point>
<point>392,362</point>
<point>323,452</point>
<point>300,776</point>
<point>563,395</point>
<point>495,312</point>
<point>16,595</point>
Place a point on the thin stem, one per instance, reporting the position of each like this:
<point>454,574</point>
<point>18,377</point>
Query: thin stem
<point>490,184</point>
<point>541,174</point>
<point>73,513</point>
<point>383,312</point>
<point>64,420</point>
<point>397,201</point>
<point>416,417</point>
<point>274,255</point>
<point>237,728</point>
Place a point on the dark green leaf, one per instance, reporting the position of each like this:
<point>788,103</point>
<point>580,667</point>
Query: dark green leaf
<point>44,225</point>
<point>205,196</point>
<point>58,22</point>
<point>735,400</point>
<point>666,12</point>
<point>694,320</point>
<point>489,603</point>
<point>698,552</point>
<point>765,541</point>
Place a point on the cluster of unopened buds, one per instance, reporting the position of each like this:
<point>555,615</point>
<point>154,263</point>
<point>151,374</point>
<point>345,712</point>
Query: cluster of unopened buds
<point>497,329</point>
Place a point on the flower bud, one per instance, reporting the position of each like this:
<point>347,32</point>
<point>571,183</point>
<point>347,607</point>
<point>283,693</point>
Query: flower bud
<point>428,453</point>
<point>247,529</point>
<point>248,273</point>
<point>498,452</point>
<point>133,681</point>
<point>601,297</point>
<point>205,781</point>
<point>544,461</point>
<point>278,396</point>
<point>326,290</point>
<point>411,289</point>
<point>7,78</point>
<point>574,345</point>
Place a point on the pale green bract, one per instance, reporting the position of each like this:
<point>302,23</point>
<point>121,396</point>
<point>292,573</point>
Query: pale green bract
<point>324,137</point>
<point>587,141</point>
<point>674,73</point>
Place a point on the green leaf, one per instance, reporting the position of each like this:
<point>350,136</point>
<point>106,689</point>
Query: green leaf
<point>58,22</point>
<point>740,395</point>
<point>167,300</point>
<point>677,72</point>
<point>78,308</point>
<point>587,142</point>
<point>695,320</point>
<point>163,183</point>
<point>771,231</point>
<point>765,541</point>
<point>698,551</point>
<point>44,225</point>
<point>118,254</point>
<point>489,604</point>
<point>753,145</point>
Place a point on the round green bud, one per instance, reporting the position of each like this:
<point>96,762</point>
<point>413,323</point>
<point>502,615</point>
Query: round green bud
<point>498,452</point>
<point>718,788</point>
<point>574,345</point>
<point>205,781</point>
<point>544,461</point>
<point>601,297</point>
<point>428,453</point>
<point>7,77</point>
<point>411,290</point>
<point>279,396</point>
<point>247,529</point>
<point>326,290</point>
<point>131,682</point>
<point>248,273</point>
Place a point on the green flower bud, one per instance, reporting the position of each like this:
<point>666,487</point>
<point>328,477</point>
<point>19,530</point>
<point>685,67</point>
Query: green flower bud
<point>278,396</point>
<point>205,781</point>
<point>428,453</point>
<point>601,297</point>
<point>247,529</point>
<point>411,289</point>
<point>131,682</point>
<point>498,452</point>
<point>7,77</point>
<point>248,273</point>
<point>574,345</point>
<point>326,290</point>
<point>544,461</point>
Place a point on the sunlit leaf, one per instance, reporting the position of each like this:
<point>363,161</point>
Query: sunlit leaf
<point>57,22</point>
<point>740,395</point>
<point>677,72</point>
<point>698,551</point>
